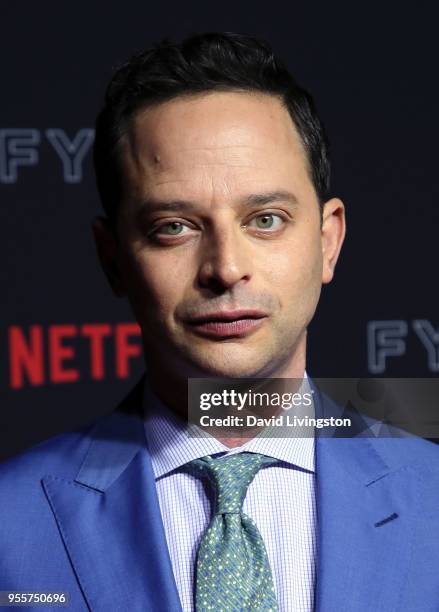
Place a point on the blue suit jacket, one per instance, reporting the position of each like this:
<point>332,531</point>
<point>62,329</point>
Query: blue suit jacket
<point>79,513</point>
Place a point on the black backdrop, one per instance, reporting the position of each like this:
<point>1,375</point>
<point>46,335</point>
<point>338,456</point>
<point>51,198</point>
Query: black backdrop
<point>373,73</point>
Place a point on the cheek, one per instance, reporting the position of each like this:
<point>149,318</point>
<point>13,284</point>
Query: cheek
<point>157,284</point>
<point>294,273</point>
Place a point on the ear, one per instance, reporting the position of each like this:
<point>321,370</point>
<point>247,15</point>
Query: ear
<point>333,232</point>
<point>108,252</point>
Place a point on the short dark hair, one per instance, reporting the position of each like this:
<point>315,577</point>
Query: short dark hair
<point>202,63</point>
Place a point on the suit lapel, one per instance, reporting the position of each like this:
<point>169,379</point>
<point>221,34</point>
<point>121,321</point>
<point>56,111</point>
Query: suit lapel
<point>109,519</point>
<point>366,515</point>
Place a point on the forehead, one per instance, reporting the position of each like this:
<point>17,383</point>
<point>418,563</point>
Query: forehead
<point>218,137</point>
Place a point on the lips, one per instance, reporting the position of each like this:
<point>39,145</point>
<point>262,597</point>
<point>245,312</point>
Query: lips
<point>225,324</point>
<point>228,315</point>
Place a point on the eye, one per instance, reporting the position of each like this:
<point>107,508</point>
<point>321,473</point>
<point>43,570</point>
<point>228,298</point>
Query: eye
<point>174,228</point>
<point>267,221</point>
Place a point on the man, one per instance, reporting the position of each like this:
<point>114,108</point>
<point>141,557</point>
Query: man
<point>213,170</point>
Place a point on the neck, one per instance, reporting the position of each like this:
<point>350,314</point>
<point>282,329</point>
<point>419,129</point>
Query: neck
<point>172,389</point>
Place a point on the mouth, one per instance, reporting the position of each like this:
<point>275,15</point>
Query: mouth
<point>227,324</point>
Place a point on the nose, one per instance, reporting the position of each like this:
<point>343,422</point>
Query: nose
<point>224,259</point>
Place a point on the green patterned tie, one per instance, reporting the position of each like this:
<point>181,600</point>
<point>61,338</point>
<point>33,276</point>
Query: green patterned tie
<point>233,573</point>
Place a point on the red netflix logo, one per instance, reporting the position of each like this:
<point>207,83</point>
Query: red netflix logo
<point>27,352</point>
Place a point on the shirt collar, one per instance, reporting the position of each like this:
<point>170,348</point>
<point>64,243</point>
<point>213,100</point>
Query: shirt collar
<point>171,447</point>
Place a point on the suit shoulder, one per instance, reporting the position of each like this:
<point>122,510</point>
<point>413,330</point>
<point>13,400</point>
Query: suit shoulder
<point>408,450</point>
<point>61,454</point>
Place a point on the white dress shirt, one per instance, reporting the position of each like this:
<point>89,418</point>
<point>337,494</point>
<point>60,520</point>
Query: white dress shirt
<point>280,499</point>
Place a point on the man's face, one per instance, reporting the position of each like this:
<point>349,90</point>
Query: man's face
<point>221,250</point>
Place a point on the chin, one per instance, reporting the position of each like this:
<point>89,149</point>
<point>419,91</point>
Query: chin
<point>232,367</point>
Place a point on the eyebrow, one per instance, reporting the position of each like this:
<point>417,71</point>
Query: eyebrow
<point>151,205</point>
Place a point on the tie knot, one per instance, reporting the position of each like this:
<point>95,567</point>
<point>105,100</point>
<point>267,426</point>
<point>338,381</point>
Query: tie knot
<point>231,477</point>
